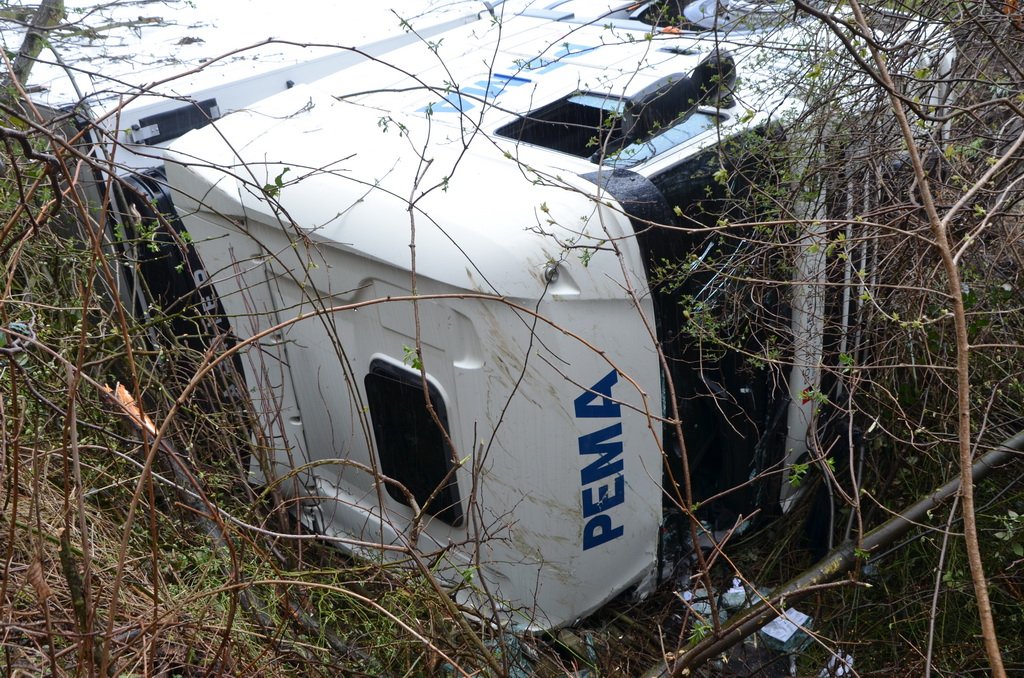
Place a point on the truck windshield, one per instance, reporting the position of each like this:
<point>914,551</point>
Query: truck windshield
<point>607,130</point>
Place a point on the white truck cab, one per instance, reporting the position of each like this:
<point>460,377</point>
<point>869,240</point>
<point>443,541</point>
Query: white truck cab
<point>440,263</point>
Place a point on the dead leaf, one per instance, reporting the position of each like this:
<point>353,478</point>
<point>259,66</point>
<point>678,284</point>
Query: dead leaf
<point>122,396</point>
<point>35,577</point>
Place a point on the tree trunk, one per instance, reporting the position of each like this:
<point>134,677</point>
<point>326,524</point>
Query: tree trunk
<point>46,18</point>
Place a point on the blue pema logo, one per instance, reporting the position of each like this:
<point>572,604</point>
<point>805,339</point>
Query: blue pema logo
<point>602,480</point>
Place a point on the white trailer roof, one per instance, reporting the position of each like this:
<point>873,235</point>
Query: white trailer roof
<point>122,46</point>
<point>127,62</point>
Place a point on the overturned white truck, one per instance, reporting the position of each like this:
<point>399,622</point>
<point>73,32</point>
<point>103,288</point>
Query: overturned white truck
<point>460,267</point>
<point>440,263</point>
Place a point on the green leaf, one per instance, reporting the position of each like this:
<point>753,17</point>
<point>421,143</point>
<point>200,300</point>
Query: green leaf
<point>412,358</point>
<point>797,473</point>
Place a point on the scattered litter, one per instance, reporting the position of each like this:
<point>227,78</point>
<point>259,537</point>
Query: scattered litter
<point>786,632</point>
<point>769,653</point>
<point>735,597</point>
<point>839,664</point>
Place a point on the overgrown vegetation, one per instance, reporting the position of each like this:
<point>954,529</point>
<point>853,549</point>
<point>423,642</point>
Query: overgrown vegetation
<point>133,544</point>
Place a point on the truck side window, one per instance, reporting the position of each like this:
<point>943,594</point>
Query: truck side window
<point>411,448</point>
